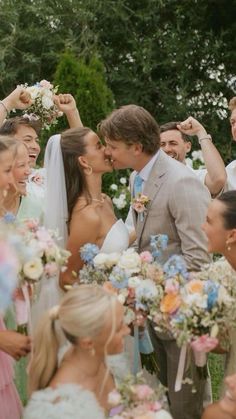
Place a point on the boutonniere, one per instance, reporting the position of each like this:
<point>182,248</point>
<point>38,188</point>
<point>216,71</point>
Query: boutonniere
<point>140,203</point>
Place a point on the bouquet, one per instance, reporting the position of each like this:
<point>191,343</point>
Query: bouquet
<point>43,106</point>
<point>207,310</point>
<point>134,399</point>
<point>39,257</point>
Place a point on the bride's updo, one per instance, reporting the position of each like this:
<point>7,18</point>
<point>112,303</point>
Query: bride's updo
<point>82,313</point>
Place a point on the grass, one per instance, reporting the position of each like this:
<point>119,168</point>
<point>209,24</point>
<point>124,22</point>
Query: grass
<point>216,367</point>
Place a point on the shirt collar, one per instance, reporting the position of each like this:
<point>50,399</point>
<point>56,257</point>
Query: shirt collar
<point>146,170</point>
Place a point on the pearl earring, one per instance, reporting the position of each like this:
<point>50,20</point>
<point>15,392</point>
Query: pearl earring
<point>228,246</point>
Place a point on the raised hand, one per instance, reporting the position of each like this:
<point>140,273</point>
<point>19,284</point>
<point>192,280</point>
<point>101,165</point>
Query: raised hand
<point>18,99</point>
<point>65,103</point>
<point>192,127</point>
<point>14,344</point>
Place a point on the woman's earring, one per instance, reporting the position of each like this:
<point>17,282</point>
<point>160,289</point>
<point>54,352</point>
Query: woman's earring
<point>92,352</point>
<point>89,170</point>
<point>228,247</point>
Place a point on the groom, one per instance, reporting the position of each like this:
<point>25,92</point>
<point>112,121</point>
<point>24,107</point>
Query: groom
<point>177,207</point>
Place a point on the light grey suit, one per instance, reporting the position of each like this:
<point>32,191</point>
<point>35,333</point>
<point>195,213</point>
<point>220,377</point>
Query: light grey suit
<point>177,207</point>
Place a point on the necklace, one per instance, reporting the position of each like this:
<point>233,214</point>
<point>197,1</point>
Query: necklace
<point>101,201</point>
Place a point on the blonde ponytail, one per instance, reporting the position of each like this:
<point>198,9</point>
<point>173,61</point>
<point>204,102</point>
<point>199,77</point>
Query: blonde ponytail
<point>44,362</point>
<point>82,313</point>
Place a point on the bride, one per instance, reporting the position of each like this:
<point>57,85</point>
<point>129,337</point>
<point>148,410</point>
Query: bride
<point>76,207</point>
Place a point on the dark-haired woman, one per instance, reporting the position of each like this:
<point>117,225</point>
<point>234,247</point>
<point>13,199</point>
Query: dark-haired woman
<point>220,228</point>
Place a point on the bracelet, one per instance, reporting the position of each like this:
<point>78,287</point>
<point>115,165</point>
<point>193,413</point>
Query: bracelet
<point>207,137</point>
<point>3,104</point>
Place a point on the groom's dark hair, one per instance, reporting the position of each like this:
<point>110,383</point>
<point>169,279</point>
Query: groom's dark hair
<point>132,124</point>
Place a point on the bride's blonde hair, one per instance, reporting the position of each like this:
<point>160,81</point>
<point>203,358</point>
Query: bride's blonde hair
<point>82,313</point>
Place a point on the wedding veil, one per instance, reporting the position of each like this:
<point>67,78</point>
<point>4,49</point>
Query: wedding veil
<point>56,211</point>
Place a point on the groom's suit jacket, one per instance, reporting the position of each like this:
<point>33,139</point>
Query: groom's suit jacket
<point>178,206</point>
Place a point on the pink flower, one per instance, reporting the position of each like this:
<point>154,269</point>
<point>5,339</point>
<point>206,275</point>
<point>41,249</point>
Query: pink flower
<point>44,236</point>
<point>155,406</point>
<point>138,206</point>
<point>46,84</point>
<point>204,343</point>
<point>32,224</point>
<point>146,257</point>
<point>143,391</point>
<point>114,398</point>
<point>171,286</point>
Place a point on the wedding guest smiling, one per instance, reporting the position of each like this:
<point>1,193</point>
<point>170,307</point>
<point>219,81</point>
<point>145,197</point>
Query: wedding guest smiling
<point>93,322</point>
<point>231,168</point>
<point>27,129</point>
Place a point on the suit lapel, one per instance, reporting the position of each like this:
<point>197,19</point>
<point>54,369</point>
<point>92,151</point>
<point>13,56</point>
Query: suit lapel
<point>151,188</point>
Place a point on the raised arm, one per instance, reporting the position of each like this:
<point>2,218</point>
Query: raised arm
<point>216,175</point>
<point>66,103</point>
<point>18,99</point>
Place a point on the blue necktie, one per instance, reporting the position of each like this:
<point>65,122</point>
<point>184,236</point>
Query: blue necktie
<point>138,181</point>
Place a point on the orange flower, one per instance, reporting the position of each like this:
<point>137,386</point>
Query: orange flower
<point>170,303</point>
<point>195,286</point>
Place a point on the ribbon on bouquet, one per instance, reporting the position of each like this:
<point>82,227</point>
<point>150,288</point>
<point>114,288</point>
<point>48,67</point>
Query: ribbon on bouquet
<point>22,307</point>
<point>181,365</point>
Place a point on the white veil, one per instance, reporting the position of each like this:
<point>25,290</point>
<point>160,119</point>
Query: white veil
<point>56,211</point>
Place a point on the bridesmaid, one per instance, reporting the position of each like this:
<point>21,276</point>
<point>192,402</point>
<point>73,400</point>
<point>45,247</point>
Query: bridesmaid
<point>12,344</point>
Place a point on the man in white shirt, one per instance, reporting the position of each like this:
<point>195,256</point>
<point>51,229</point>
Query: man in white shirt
<point>231,168</point>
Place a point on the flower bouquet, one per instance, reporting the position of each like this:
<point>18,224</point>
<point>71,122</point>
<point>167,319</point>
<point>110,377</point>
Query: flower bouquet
<point>134,399</point>
<point>43,106</point>
<point>39,257</point>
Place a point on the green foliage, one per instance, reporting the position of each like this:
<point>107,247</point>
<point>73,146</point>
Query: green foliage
<point>86,81</point>
<point>174,58</point>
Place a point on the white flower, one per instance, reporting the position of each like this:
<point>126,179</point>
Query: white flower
<point>47,102</point>
<point>114,398</point>
<point>196,299</point>
<point>114,187</point>
<point>197,155</point>
<point>33,269</point>
<point>123,181</point>
<point>214,331</point>
<point>121,298</point>
<point>134,282</point>
<point>112,259</point>
<point>100,260</point>
<point>130,261</point>
<point>33,91</point>
<point>162,414</point>
<point>147,290</point>
<point>120,202</point>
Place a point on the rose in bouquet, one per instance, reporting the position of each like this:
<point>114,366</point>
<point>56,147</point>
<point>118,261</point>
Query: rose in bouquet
<point>134,399</point>
<point>43,106</point>
<point>39,257</point>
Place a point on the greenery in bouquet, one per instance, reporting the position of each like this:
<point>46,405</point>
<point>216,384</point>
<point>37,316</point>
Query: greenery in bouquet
<point>133,398</point>
<point>43,106</point>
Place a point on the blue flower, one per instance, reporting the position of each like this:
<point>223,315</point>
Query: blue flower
<point>212,293</point>
<point>158,243</point>
<point>175,265</point>
<point>9,218</point>
<point>88,252</point>
<point>118,278</point>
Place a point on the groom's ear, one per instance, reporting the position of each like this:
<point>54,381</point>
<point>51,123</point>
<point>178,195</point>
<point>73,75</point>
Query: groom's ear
<point>137,148</point>
<point>232,236</point>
